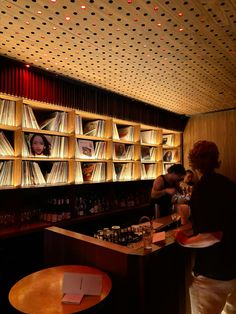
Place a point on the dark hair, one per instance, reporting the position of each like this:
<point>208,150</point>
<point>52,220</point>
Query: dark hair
<point>177,168</point>
<point>46,143</point>
<point>204,156</point>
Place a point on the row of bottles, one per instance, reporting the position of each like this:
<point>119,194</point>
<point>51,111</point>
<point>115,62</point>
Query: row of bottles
<point>59,207</point>
<point>56,209</point>
<point>13,217</point>
<point>93,203</point>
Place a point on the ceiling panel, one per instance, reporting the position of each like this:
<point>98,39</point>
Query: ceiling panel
<point>176,55</point>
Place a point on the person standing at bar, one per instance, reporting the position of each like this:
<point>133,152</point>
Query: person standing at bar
<point>187,184</point>
<point>165,186</point>
<point>213,216</point>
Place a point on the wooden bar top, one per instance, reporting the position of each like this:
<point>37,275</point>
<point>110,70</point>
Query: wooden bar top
<point>135,271</point>
<point>132,249</point>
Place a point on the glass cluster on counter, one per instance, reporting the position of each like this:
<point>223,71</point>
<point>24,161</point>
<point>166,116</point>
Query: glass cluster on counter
<point>122,236</point>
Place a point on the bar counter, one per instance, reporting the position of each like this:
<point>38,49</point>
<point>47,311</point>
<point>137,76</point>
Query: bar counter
<point>144,281</point>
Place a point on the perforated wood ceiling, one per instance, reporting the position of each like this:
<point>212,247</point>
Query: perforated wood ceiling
<point>177,55</point>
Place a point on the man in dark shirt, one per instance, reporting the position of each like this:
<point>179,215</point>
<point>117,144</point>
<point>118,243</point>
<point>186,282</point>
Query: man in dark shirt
<point>213,214</point>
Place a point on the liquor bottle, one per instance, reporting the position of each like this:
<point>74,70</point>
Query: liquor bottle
<point>90,209</point>
<point>53,211</point>
<point>95,206</point>
<point>99,203</point>
<point>60,211</point>
<point>67,212</point>
<point>49,211</point>
<point>130,200</point>
<point>81,207</point>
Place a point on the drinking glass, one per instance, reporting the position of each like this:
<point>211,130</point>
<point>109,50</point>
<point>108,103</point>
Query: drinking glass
<point>147,237</point>
<point>175,216</point>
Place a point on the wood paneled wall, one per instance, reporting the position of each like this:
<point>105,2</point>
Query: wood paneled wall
<point>219,127</point>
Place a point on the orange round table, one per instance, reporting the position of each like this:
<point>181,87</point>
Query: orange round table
<point>41,292</point>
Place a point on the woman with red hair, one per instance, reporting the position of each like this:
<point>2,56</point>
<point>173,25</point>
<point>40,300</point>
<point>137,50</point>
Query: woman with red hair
<point>213,215</point>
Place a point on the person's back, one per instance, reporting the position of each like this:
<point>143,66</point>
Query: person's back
<point>213,215</point>
<point>213,209</point>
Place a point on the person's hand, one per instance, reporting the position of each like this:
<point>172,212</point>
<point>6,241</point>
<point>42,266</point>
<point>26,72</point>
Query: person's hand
<point>170,191</point>
<point>180,237</point>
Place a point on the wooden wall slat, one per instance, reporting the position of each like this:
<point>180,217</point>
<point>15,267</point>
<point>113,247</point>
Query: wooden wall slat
<point>219,127</point>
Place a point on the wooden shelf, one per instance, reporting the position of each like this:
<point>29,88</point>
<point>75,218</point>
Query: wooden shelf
<point>139,133</point>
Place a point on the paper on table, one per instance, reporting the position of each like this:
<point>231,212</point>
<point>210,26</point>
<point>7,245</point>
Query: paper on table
<point>72,298</point>
<point>82,283</point>
<point>158,236</point>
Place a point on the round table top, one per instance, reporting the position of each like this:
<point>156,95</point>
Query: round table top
<point>41,292</point>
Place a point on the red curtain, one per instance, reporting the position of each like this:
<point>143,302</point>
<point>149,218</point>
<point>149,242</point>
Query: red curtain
<point>18,80</point>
